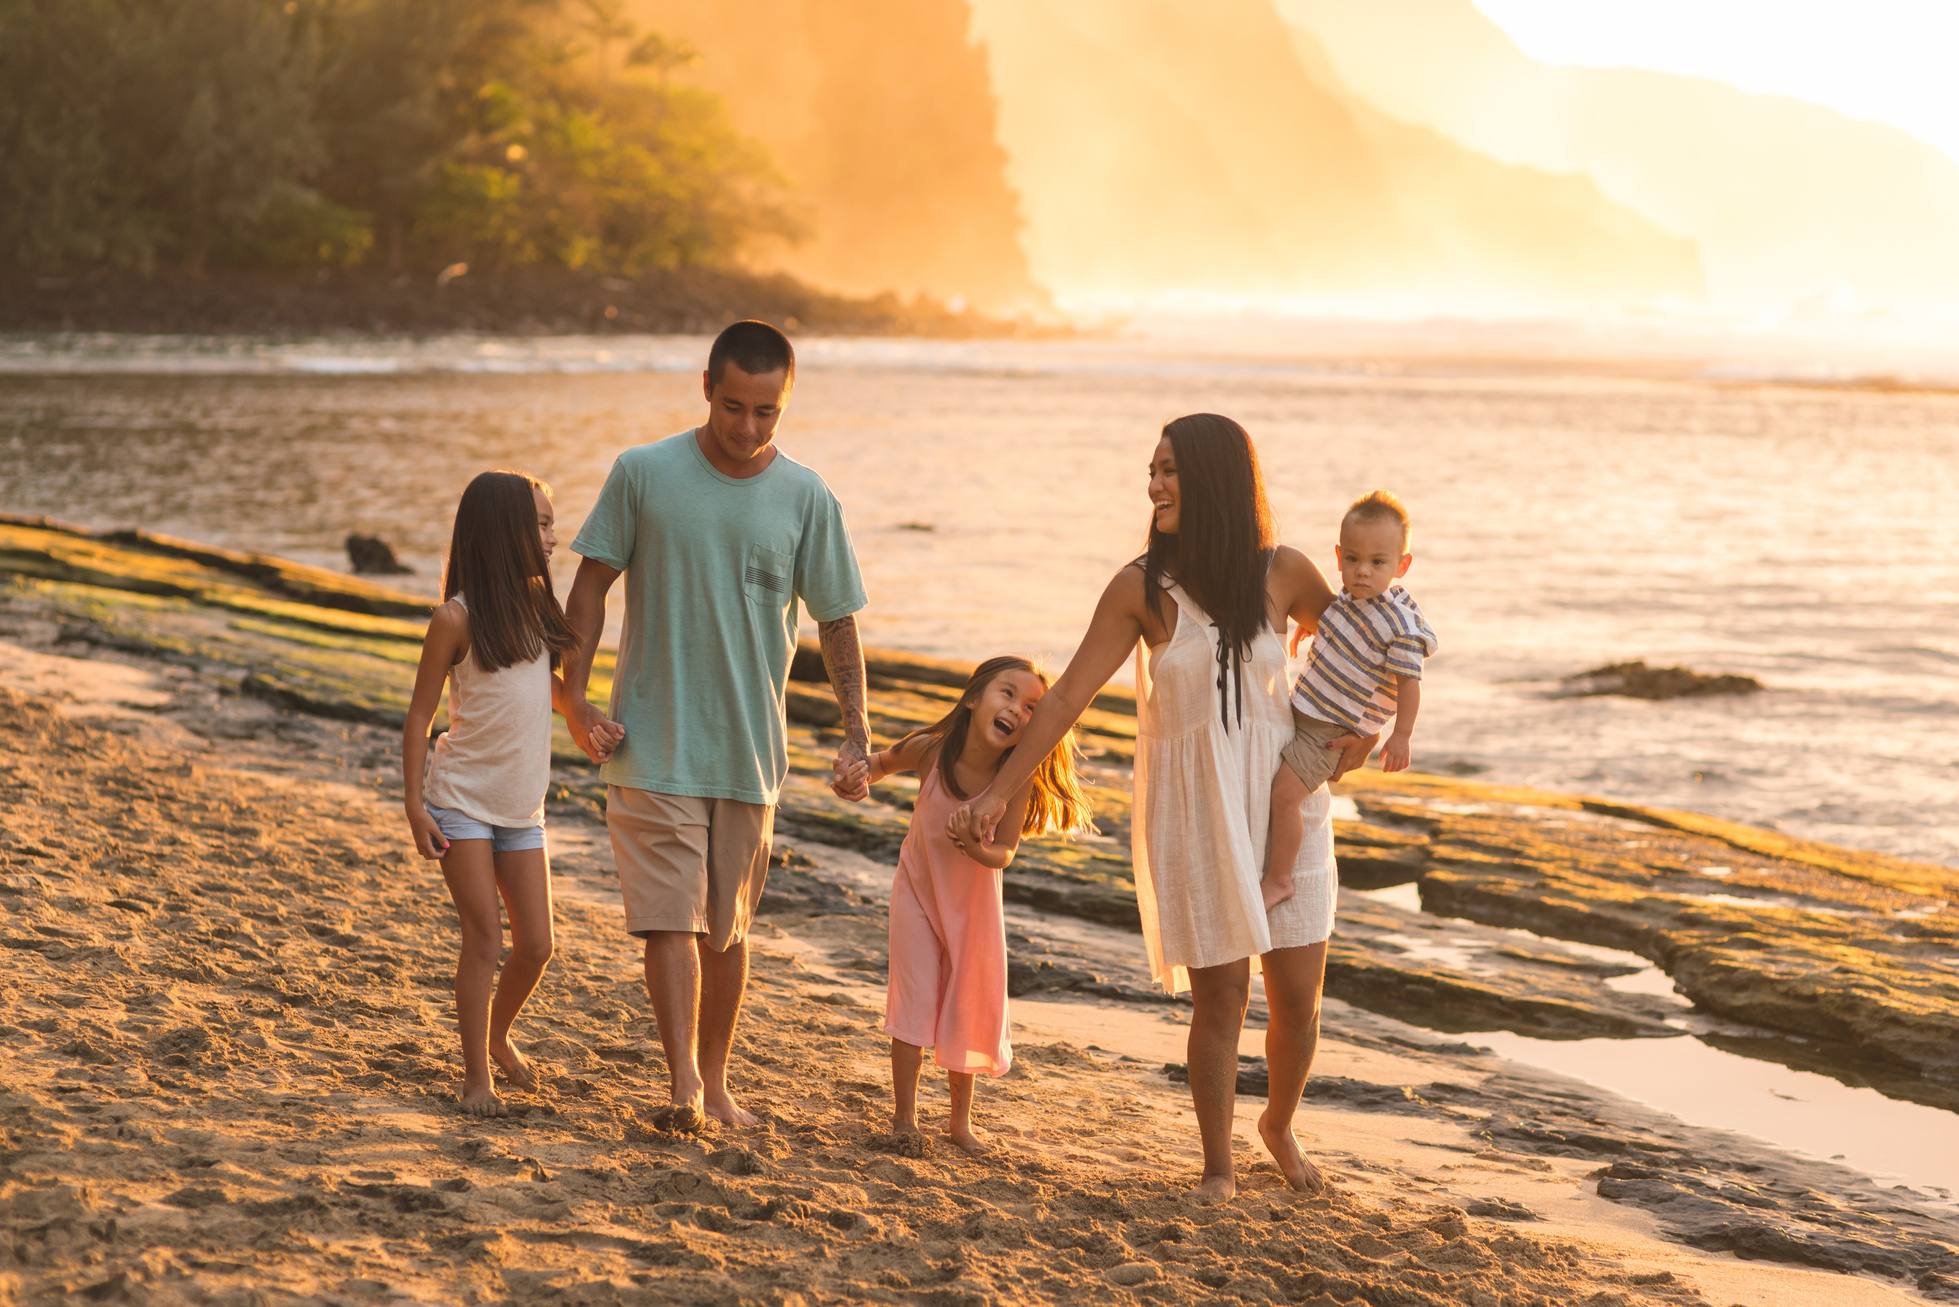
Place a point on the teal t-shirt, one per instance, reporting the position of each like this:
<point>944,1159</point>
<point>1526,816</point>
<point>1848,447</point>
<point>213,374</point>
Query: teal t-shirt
<point>714,566</point>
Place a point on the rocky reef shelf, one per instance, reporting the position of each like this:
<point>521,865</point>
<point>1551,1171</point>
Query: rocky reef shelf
<point>1820,957</point>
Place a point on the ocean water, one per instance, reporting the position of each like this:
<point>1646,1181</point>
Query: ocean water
<point>1566,516</point>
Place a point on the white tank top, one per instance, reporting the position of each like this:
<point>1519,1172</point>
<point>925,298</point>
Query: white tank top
<point>494,761</point>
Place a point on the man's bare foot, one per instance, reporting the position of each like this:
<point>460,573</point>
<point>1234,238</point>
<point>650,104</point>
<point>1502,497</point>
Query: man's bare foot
<point>1212,1190</point>
<point>481,1100</point>
<point>515,1065</point>
<point>723,1108</point>
<point>1275,892</point>
<point>1300,1174</point>
<point>969,1141</point>
<point>901,1126</point>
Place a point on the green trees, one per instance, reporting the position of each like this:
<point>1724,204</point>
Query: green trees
<point>327,133</point>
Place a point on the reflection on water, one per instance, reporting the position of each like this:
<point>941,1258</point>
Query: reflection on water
<point>1561,522</point>
<point>1894,1142</point>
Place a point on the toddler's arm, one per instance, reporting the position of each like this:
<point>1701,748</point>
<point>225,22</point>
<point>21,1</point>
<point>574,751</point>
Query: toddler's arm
<point>447,636</point>
<point>1407,702</point>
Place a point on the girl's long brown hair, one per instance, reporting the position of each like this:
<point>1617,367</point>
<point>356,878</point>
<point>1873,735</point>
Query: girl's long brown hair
<point>497,563</point>
<point>1056,805</point>
<point>1223,542</point>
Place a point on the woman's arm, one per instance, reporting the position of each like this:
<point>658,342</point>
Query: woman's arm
<point>442,648</point>
<point>989,853</point>
<point>1299,589</point>
<point>1112,635</point>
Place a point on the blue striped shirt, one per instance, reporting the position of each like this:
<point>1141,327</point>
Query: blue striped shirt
<point>1362,645</point>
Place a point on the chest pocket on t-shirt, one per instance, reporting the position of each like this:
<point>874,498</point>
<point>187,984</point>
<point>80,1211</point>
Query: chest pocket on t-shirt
<point>767,576</point>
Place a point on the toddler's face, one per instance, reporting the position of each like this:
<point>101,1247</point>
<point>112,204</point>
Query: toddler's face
<point>1370,557</point>
<point>1000,714</point>
<point>547,521</point>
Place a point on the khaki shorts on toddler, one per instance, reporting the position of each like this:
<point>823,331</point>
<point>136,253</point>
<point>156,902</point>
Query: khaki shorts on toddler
<point>689,864</point>
<point>1311,761</point>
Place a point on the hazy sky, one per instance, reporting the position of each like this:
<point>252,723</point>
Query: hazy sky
<point>1890,60</point>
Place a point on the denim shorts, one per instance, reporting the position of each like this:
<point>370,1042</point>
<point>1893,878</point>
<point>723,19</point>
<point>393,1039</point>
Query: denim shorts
<point>503,839</point>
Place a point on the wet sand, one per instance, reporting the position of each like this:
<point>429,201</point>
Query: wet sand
<point>227,1071</point>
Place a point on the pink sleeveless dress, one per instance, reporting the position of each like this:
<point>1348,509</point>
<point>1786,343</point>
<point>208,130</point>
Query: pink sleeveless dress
<point>948,987</point>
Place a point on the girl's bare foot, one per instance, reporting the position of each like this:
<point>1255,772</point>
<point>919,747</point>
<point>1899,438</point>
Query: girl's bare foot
<point>1212,1190</point>
<point>969,1141</point>
<point>1300,1174</point>
<point>515,1065</point>
<point>479,1099</point>
<point>1275,892</point>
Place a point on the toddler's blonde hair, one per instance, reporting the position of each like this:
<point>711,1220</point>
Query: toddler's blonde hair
<point>1381,506</point>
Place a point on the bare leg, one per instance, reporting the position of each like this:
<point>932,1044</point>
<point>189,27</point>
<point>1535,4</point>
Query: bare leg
<point>473,887</point>
<point>524,877</point>
<point>959,1127</point>
<point>1219,996</point>
<point>724,979</point>
<point>673,983</point>
<point>906,1061</point>
<point>1293,980</point>
<point>1284,834</point>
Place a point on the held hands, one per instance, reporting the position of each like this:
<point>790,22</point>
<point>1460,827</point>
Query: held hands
<point>977,821</point>
<point>1394,755</point>
<point>850,774</point>
<point>430,842</point>
<point>591,730</point>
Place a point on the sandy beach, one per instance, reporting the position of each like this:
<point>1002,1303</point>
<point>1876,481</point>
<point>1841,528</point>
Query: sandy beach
<point>230,1067</point>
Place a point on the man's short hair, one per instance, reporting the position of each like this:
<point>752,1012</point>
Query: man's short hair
<point>754,347</point>
<point>1381,506</point>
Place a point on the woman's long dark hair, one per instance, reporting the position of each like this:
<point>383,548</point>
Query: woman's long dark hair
<point>1056,804</point>
<point>497,563</point>
<point>1223,542</point>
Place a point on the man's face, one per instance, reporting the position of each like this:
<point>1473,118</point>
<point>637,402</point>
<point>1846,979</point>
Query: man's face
<point>743,411</point>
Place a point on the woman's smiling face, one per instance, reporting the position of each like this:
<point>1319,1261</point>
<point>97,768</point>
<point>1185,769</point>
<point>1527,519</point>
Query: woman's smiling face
<point>1164,491</point>
<point>1000,713</point>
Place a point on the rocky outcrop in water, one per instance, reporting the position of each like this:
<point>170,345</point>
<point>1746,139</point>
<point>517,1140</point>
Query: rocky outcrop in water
<point>1635,680</point>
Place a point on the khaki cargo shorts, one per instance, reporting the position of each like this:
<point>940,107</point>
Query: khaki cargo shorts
<point>689,864</point>
<point>1311,761</point>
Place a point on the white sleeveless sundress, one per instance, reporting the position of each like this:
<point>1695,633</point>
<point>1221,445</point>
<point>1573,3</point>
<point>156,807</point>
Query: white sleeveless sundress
<point>1203,798</point>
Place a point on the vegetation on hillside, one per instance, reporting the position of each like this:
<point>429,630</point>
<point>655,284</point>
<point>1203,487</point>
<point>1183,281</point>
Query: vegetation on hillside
<point>332,134</point>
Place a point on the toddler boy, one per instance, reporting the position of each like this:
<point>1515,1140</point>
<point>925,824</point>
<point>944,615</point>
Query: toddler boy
<point>1365,667</point>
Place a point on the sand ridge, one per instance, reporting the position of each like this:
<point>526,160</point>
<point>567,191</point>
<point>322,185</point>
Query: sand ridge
<point>229,1069</point>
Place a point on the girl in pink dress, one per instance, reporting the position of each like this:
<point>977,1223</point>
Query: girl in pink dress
<point>948,987</point>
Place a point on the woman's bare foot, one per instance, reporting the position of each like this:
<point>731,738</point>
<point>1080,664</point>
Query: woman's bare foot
<point>969,1141</point>
<point>723,1108</point>
<point>479,1099</point>
<point>1300,1174</point>
<point>1275,892</point>
<point>1212,1190</point>
<point>515,1065</point>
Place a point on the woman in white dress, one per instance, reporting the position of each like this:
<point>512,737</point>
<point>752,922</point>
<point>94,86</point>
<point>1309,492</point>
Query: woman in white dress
<point>1202,610</point>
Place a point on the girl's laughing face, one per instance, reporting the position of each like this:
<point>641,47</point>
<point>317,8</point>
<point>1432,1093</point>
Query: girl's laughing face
<point>1002,710</point>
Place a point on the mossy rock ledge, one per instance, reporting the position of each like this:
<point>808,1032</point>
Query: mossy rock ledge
<point>1846,955</point>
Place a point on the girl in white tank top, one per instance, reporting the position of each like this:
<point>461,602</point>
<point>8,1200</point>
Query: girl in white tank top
<point>480,808</point>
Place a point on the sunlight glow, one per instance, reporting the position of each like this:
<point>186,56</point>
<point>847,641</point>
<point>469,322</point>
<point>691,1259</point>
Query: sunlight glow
<point>1887,60</point>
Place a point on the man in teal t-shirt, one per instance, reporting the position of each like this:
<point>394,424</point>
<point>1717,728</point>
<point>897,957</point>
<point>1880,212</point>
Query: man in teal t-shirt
<point>719,536</point>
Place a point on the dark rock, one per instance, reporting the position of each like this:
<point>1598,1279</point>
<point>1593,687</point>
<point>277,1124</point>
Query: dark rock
<point>1635,680</point>
<point>372,556</point>
<point>1502,1209</point>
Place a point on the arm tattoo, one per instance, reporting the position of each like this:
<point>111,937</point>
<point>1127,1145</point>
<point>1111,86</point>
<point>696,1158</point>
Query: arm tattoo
<point>843,660</point>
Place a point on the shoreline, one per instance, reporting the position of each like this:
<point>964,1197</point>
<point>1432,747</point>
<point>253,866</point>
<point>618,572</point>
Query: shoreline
<point>527,301</point>
<point>229,1032</point>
